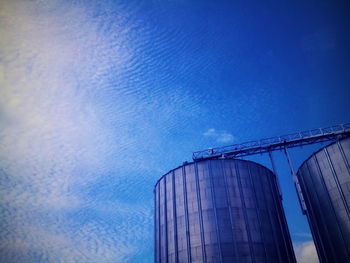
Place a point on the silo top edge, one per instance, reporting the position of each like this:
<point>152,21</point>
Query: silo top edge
<point>316,152</point>
<point>216,160</point>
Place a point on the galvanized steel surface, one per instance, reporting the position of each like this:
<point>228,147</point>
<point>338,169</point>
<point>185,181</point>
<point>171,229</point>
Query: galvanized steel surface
<point>325,183</point>
<point>220,211</point>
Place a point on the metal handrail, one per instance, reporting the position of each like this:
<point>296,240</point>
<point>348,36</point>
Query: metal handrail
<point>275,143</point>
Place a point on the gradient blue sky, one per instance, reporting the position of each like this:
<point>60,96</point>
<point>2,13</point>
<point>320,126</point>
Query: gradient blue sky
<point>99,99</point>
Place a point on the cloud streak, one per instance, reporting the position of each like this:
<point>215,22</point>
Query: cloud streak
<point>219,136</point>
<point>55,60</point>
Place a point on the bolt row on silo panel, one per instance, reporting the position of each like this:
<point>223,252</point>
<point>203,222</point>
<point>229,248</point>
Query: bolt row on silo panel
<point>325,183</point>
<point>220,211</point>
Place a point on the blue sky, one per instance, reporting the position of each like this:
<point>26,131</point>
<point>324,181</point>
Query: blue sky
<point>99,99</point>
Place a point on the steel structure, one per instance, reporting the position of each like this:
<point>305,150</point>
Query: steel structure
<point>275,143</point>
<point>322,182</point>
<point>221,211</point>
<point>325,183</point>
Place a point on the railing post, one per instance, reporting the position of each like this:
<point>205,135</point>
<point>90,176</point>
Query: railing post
<point>296,182</point>
<point>275,172</point>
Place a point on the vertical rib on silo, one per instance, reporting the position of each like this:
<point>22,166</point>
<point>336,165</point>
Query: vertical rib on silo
<point>180,216</point>
<point>211,172</point>
<point>200,216</point>
<point>188,242</point>
<point>229,205</point>
<point>156,225</point>
<point>174,215</point>
<point>244,210</point>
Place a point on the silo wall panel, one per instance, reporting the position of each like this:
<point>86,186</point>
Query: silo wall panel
<point>325,184</point>
<point>220,211</point>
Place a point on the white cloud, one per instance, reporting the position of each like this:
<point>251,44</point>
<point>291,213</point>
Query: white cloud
<point>92,242</point>
<point>219,136</point>
<point>210,132</point>
<point>305,252</point>
<point>54,143</point>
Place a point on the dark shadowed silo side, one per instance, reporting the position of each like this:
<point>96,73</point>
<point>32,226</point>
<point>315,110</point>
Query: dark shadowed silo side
<point>220,211</point>
<point>325,183</point>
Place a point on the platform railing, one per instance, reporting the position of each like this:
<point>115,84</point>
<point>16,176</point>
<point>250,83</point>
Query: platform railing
<point>275,143</point>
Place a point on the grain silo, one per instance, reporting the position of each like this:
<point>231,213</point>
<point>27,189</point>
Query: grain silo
<point>220,211</point>
<point>325,183</point>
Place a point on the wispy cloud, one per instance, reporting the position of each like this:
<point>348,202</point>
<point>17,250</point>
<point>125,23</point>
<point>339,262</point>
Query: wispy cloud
<point>54,144</point>
<point>219,135</point>
<point>305,252</point>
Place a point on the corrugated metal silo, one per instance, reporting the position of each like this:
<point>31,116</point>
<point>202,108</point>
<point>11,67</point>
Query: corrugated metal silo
<point>325,183</point>
<point>220,211</point>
